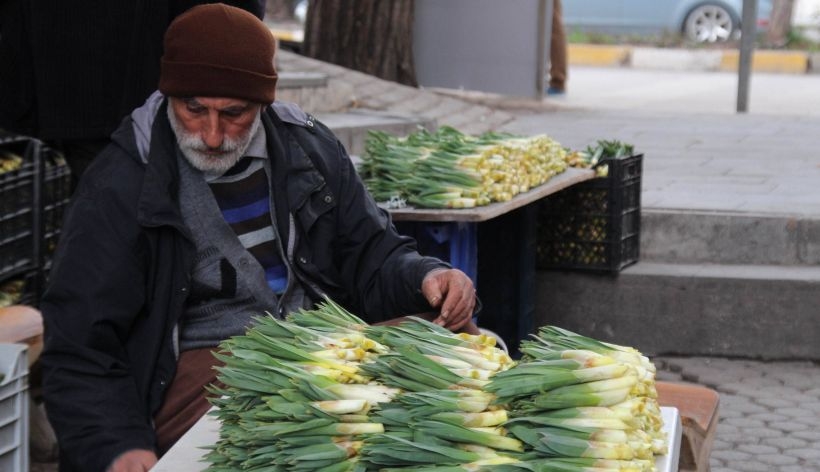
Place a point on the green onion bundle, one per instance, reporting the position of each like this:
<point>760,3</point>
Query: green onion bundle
<point>576,397</point>
<point>444,418</point>
<point>324,391</point>
<point>294,397</point>
<point>449,169</point>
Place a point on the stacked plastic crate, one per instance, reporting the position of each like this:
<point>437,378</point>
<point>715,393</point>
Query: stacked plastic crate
<point>19,219</point>
<point>56,192</point>
<point>35,186</point>
<point>14,455</point>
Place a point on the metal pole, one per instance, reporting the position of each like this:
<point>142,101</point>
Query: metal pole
<point>747,45</point>
<point>543,48</point>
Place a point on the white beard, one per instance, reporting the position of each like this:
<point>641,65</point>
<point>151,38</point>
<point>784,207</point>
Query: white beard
<point>196,151</point>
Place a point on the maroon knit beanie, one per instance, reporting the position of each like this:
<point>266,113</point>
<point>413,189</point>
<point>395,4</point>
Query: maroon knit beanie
<point>216,50</point>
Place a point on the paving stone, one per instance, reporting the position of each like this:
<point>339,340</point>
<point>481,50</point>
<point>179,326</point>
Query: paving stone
<point>813,406</point>
<point>763,433</point>
<point>795,412</point>
<point>718,468</point>
<point>807,454</point>
<point>799,468</point>
<point>702,372</point>
<point>446,108</point>
<point>789,426</point>
<point>788,442</point>
<point>469,117</point>
<point>419,105</point>
<point>807,435</point>
<point>775,402</point>
<point>745,422</point>
<point>811,420</point>
<point>751,466</point>
<point>801,399</point>
<point>717,464</point>
<point>743,405</point>
<point>755,383</point>
<point>769,417</point>
<point>734,388</point>
<point>758,449</point>
<point>802,379</point>
<point>743,438</point>
<point>784,391</point>
<point>777,459</point>
<point>725,428</point>
<point>732,456</point>
<point>731,413</point>
<point>719,445</point>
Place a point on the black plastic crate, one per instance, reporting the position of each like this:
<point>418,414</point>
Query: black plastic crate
<point>56,191</point>
<point>18,174</point>
<point>594,225</point>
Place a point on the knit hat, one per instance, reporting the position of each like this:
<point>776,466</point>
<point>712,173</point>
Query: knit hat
<point>216,50</point>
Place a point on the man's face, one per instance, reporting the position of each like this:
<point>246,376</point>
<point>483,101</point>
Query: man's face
<point>213,133</point>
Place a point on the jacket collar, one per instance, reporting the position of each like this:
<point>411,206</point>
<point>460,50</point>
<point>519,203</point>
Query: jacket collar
<point>302,176</point>
<point>158,203</point>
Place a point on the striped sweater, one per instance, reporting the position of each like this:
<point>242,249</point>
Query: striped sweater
<point>243,196</point>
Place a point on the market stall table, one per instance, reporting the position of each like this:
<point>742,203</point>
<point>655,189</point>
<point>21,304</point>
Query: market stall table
<point>187,453</point>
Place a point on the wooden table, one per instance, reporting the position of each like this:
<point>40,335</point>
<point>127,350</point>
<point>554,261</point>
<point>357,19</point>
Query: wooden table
<point>187,453</point>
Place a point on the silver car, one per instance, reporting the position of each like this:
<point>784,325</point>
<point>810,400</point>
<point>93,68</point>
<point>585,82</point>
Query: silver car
<point>702,21</point>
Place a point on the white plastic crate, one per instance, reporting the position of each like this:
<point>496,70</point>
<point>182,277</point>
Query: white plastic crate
<point>13,408</point>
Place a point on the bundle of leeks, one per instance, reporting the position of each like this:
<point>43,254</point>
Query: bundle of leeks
<point>444,418</point>
<point>294,397</point>
<point>573,397</point>
<point>323,391</point>
<point>449,169</point>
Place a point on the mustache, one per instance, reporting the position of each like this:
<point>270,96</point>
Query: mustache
<point>194,142</point>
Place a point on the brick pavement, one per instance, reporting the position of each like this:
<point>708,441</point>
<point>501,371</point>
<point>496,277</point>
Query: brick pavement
<point>769,411</point>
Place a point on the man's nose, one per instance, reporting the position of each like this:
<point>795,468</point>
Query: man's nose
<point>213,135</point>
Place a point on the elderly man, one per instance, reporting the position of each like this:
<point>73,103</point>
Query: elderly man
<point>210,207</point>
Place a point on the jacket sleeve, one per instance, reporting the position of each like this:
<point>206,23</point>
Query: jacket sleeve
<point>94,297</point>
<point>385,266</point>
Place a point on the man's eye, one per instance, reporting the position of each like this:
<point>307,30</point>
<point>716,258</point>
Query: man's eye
<point>232,113</point>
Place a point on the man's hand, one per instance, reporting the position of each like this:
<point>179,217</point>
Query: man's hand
<point>453,293</point>
<point>135,460</point>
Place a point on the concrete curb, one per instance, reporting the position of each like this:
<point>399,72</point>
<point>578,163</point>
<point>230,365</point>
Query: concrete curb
<point>764,60</point>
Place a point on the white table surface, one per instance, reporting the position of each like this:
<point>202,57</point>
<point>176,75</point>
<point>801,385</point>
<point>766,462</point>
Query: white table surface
<point>187,453</point>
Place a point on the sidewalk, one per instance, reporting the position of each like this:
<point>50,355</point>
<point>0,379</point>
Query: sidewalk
<point>769,412</point>
<point>777,61</point>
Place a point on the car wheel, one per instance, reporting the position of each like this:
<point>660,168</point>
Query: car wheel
<point>709,23</point>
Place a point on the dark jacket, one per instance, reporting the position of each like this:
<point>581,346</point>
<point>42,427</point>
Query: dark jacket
<point>122,271</point>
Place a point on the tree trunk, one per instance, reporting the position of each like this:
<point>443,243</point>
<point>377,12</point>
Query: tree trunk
<point>780,22</point>
<point>370,36</point>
